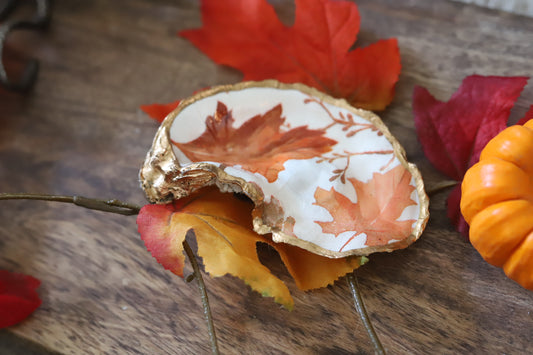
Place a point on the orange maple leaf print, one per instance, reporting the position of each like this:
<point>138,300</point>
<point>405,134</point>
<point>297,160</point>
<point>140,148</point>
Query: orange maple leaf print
<point>258,145</point>
<point>380,202</point>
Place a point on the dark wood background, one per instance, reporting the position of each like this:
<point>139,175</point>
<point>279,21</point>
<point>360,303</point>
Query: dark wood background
<point>80,131</point>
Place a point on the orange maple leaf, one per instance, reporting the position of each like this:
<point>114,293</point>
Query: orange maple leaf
<point>226,242</point>
<point>159,111</point>
<point>258,145</point>
<point>310,270</point>
<point>247,35</point>
<point>380,202</point>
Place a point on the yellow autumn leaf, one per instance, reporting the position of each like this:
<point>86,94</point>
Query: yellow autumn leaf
<point>222,224</point>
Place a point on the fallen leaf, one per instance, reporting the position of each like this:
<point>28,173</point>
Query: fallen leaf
<point>247,35</point>
<point>18,298</point>
<point>453,133</point>
<point>259,145</point>
<point>159,111</point>
<point>527,116</point>
<point>311,271</point>
<point>380,202</point>
<point>227,244</point>
<point>226,241</point>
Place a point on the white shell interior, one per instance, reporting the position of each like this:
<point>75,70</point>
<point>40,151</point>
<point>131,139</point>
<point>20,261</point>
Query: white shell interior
<point>296,184</point>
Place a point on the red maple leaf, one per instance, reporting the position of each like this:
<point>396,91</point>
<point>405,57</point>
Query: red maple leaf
<point>159,111</point>
<point>453,133</point>
<point>380,202</point>
<point>528,116</point>
<point>18,298</point>
<point>247,35</point>
<point>258,145</point>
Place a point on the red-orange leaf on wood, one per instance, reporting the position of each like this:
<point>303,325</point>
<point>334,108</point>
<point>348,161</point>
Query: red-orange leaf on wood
<point>227,244</point>
<point>380,202</point>
<point>247,35</point>
<point>18,298</point>
<point>159,111</point>
<point>259,145</point>
<point>453,133</point>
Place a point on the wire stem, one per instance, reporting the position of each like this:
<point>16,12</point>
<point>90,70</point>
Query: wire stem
<point>360,307</point>
<point>111,205</point>
<point>205,300</point>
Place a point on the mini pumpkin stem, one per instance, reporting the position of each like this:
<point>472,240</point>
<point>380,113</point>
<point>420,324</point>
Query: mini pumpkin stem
<point>360,307</point>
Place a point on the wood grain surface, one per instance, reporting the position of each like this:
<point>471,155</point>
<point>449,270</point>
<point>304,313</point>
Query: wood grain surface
<point>80,132</point>
<point>521,7</point>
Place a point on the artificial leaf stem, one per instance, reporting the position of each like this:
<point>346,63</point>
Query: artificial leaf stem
<point>205,299</point>
<point>127,209</point>
<point>360,307</point>
<point>111,205</point>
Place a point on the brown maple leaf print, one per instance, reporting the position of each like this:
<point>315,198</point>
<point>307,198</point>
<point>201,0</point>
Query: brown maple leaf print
<point>380,202</point>
<point>258,145</point>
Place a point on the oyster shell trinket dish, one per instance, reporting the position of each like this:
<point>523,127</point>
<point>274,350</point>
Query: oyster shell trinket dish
<point>323,175</point>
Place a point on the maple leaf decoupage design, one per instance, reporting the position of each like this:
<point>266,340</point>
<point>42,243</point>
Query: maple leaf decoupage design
<point>376,214</point>
<point>259,145</point>
<point>453,133</point>
<point>248,35</point>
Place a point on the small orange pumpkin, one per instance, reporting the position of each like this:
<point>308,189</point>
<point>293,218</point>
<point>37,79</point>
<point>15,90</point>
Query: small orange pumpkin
<point>497,203</point>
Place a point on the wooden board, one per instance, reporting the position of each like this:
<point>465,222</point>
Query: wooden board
<point>80,132</point>
<point>521,7</point>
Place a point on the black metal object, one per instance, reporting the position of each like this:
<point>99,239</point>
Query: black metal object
<point>39,21</point>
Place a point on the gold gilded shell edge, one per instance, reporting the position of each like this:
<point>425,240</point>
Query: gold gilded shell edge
<point>180,181</point>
